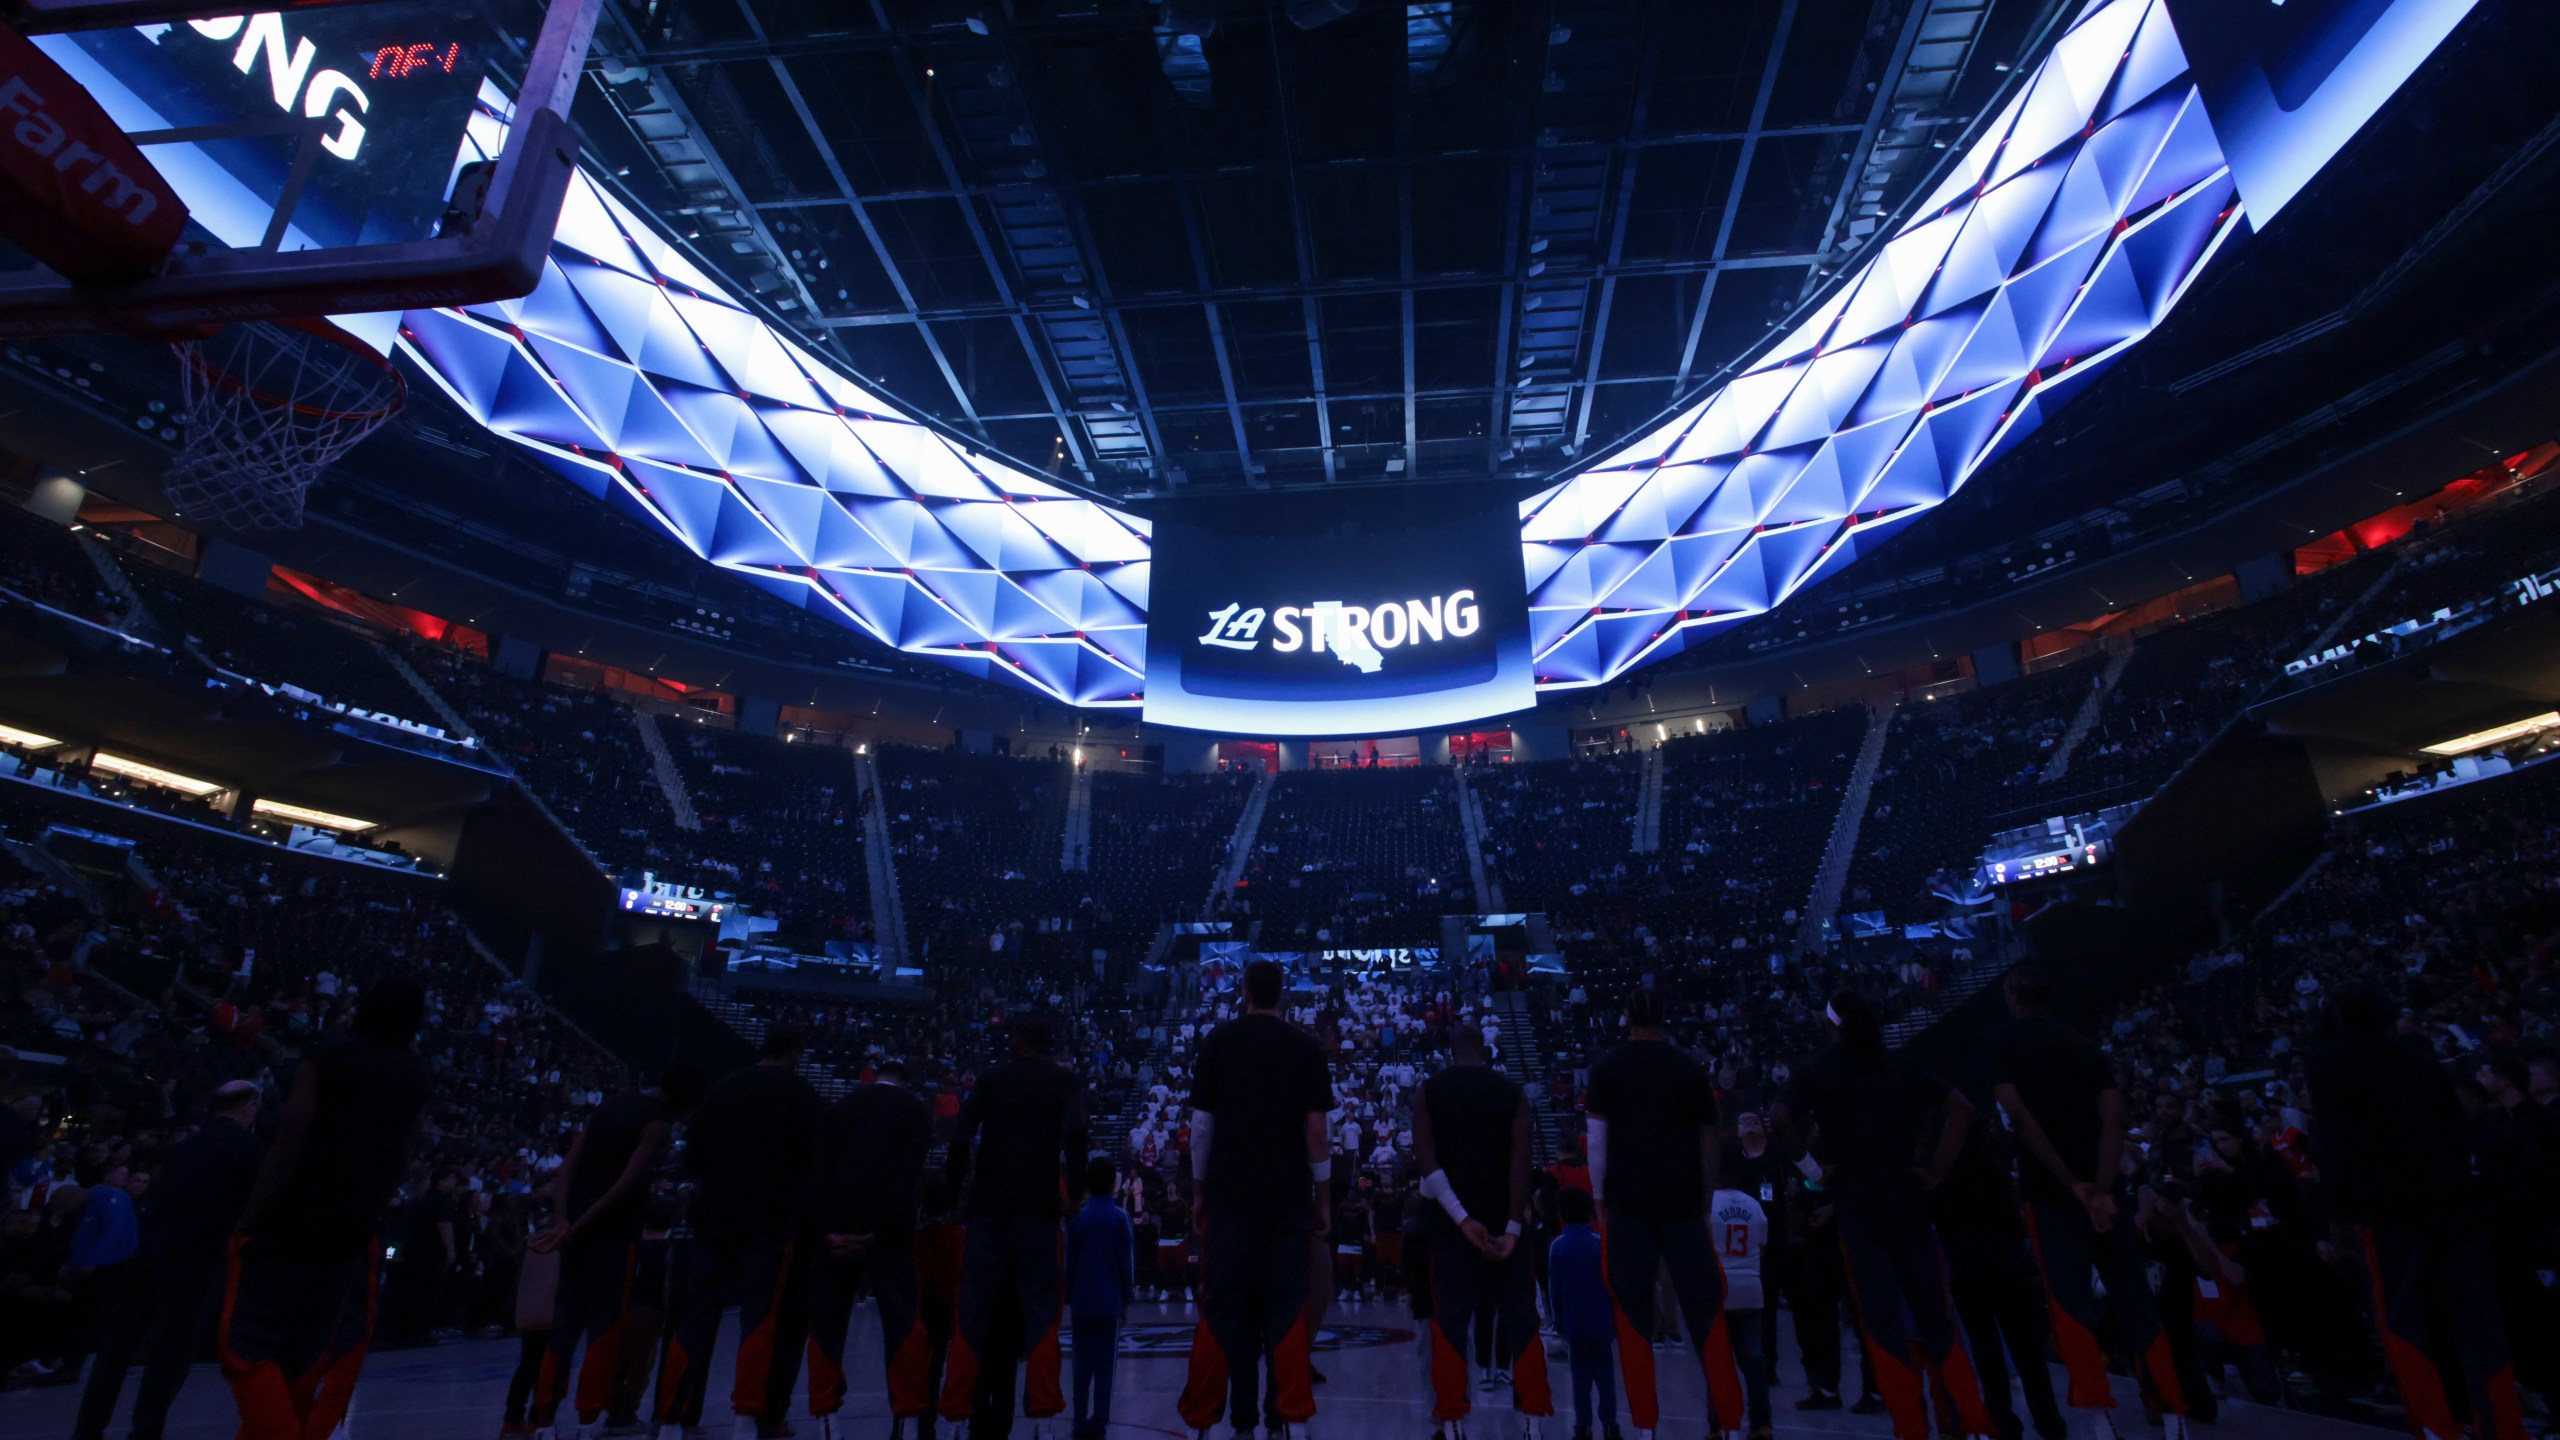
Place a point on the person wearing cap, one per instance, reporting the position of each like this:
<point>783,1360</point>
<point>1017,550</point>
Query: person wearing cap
<point>165,1296</point>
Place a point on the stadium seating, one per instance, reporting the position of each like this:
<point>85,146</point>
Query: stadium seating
<point>782,822</point>
<point>1950,768</point>
<point>275,644</point>
<point>1158,844</point>
<point>1556,830</point>
<point>2187,681</point>
<point>577,751</point>
<point>978,843</point>
<point>1357,857</point>
<point>42,561</point>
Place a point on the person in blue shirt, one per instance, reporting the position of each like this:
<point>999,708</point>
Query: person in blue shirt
<point>1101,1275</point>
<point>1583,1313</point>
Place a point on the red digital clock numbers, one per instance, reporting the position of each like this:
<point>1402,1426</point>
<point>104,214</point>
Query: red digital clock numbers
<point>391,62</point>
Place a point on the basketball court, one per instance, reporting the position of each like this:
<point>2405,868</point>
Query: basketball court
<point>1374,1390</point>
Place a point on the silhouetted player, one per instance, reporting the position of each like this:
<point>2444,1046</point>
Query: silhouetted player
<point>871,1148</point>
<point>595,1226</point>
<point>2394,1166</point>
<point>1870,1106</point>
<point>2060,1093</point>
<point>747,1151</point>
<point>297,1306</point>
<point>1026,1117</point>
<point>166,1297</point>
<point>1471,1138</point>
<point>1264,1163</point>
<point>1655,1135</point>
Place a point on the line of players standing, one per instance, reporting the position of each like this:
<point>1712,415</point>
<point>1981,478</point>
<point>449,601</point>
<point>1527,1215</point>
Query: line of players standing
<point>1920,1247</point>
<point>799,1207</point>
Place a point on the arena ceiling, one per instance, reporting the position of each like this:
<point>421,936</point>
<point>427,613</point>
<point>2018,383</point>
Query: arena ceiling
<point>1145,246</point>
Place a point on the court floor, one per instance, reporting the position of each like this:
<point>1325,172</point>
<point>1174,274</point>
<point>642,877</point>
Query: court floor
<point>1368,1354</point>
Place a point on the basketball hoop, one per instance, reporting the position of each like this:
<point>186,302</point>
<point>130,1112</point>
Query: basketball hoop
<point>268,406</point>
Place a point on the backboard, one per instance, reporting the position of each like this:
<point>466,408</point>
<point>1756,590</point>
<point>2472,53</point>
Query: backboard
<point>323,153</point>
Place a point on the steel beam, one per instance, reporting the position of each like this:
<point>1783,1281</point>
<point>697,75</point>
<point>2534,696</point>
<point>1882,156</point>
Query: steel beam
<point>1733,194</point>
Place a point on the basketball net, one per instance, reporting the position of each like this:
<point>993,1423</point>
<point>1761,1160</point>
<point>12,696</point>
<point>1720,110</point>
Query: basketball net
<point>268,406</point>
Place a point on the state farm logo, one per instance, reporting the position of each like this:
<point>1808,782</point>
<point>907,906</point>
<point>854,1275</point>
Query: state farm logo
<point>128,197</point>
<point>1358,635</point>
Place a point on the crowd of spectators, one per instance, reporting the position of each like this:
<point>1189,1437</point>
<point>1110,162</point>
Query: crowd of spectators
<point>2189,679</point>
<point>1950,768</point>
<point>1384,1028</point>
<point>1356,857</point>
<point>133,990</point>
<point>42,561</point>
<point>274,644</point>
<point>1555,830</point>
<point>782,823</point>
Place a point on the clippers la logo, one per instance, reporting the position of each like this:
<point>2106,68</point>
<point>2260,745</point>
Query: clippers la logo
<point>1358,635</point>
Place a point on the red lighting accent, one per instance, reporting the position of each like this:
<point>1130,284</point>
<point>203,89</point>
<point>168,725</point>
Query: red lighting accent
<point>393,62</point>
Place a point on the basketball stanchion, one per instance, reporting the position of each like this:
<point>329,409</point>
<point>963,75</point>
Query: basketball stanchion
<point>268,406</point>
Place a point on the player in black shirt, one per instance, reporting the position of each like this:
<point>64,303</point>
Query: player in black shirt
<point>2388,1138</point>
<point>747,1151</point>
<point>1263,1161</point>
<point>166,1296</point>
<point>298,1303</point>
<point>1025,1118</point>
<point>2060,1094</point>
<point>595,1226</point>
<point>871,1148</point>
<point>1992,1280</point>
<point>1870,1106</point>
<point>1471,1138</point>
<point>1655,1134</point>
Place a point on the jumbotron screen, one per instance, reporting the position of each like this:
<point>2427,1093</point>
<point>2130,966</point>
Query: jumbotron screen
<point>1298,614</point>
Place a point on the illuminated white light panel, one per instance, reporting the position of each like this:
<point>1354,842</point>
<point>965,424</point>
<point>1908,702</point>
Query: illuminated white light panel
<point>2059,239</point>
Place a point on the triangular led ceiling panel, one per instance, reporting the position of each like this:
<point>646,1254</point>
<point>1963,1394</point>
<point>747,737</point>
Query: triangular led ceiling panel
<point>626,307</point>
<point>1543,561</point>
<point>744,538</point>
<point>587,229</point>
<point>1129,581</point>
<point>2074,218</point>
<point>2156,61</point>
<point>2188,156</point>
<point>795,512</point>
<point>844,543</point>
<point>556,309</point>
<point>2088,56</point>
<point>822,446</point>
